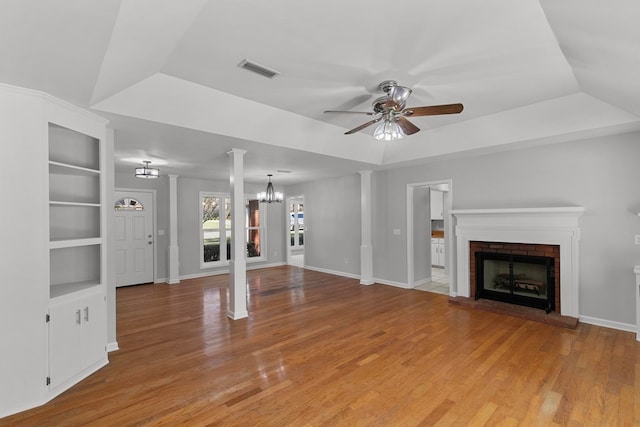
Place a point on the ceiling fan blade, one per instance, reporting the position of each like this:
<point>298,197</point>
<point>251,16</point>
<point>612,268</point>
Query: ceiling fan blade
<point>359,128</point>
<point>433,110</point>
<point>368,113</point>
<point>407,127</point>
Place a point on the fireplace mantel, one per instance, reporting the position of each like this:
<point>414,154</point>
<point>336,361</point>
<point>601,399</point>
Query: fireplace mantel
<point>551,226</point>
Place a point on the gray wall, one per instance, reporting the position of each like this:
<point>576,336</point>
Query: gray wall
<point>421,234</point>
<point>188,216</point>
<point>599,174</point>
<point>332,223</point>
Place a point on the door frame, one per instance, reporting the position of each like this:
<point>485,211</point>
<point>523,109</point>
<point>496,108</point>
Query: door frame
<point>299,197</point>
<point>448,241</point>
<point>154,233</point>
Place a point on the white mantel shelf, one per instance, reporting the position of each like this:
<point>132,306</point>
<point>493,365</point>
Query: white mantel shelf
<point>548,225</point>
<point>568,209</point>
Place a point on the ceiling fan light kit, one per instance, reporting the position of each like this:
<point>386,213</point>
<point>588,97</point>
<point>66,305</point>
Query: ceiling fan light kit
<point>388,130</point>
<point>391,112</point>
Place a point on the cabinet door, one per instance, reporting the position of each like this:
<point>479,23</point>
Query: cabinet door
<point>65,340</point>
<point>94,329</point>
<point>434,253</point>
<point>437,204</point>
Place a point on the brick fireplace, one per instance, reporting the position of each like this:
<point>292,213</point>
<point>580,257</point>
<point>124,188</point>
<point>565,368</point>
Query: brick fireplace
<point>550,232</point>
<point>552,252</point>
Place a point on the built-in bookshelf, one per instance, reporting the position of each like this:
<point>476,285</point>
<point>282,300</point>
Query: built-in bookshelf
<point>75,211</point>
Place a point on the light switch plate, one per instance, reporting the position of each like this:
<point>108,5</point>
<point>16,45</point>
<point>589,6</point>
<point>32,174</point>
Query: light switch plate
<point>637,239</point>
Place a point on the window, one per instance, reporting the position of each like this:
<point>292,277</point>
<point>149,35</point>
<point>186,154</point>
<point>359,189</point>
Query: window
<point>253,228</point>
<point>128,204</point>
<point>215,220</point>
<point>215,232</point>
<point>296,224</point>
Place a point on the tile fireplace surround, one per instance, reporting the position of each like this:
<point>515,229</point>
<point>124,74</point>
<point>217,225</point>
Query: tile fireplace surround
<point>545,226</point>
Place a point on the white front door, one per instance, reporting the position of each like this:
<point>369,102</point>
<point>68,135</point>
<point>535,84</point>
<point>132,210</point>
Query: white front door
<point>133,237</point>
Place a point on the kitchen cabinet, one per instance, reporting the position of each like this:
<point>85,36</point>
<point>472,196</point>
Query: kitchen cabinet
<point>437,204</point>
<point>437,252</point>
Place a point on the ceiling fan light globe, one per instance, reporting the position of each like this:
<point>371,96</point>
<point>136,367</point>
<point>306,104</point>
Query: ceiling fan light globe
<point>388,130</point>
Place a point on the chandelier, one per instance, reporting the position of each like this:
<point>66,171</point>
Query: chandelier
<point>270,196</point>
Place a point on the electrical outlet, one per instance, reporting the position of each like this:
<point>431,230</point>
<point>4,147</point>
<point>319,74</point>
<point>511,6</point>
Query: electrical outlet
<point>637,239</point>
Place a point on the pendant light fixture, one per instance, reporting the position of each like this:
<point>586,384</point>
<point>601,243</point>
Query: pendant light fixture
<point>270,196</point>
<point>146,171</point>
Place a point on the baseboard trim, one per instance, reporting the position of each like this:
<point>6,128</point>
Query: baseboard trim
<point>221,271</point>
<point>112,346</point>
<point>335,273</point>
<point>391,283</point>
<point>628,327</point>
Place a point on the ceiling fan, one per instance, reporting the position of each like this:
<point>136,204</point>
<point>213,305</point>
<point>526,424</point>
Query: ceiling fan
<point>391,112</point>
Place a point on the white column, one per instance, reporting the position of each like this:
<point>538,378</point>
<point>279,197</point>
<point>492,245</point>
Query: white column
<point>366,249</point>
<point>174,254</point>
<point>238,263</point>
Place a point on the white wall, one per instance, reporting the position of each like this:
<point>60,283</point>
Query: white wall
<point>599,174</point>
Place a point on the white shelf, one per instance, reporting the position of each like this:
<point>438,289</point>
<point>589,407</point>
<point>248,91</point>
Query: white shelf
<point>71,243</point>
<point>63,289</point>
<point>61,203</point>
<point>67,169</point>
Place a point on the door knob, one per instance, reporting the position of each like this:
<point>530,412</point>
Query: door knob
<point>151,243</point>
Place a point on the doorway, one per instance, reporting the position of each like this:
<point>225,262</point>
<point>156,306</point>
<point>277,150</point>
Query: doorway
<point>296,228</point>
<point>134,242</point>
<point>429,238</point>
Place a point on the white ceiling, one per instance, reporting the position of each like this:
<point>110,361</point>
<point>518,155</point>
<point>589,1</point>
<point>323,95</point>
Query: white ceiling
<point>165,73</point>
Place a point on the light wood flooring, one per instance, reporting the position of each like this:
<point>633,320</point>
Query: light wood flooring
<point>323,350</point>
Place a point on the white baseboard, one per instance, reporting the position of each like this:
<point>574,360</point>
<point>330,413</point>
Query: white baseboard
<point>220,271</point>
<point>335,273</point>
<point>112,346</point>
<point>628,327</point>
<point>257,266</point>
<point>391,283</point>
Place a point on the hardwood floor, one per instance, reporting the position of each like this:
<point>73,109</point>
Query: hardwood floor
<point>319,349</point>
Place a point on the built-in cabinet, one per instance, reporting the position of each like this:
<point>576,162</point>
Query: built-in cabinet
<point>53,317</point>
<point>77,336</point>
<point>437,252</point>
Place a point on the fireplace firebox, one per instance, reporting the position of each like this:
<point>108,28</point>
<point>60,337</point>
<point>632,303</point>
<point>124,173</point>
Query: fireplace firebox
<point>516,279</point>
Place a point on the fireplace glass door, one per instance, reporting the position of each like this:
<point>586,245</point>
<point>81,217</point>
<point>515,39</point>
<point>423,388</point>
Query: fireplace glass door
<point>515,279</point>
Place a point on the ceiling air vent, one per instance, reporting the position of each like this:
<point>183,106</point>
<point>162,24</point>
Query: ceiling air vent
<point>258,69</point>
